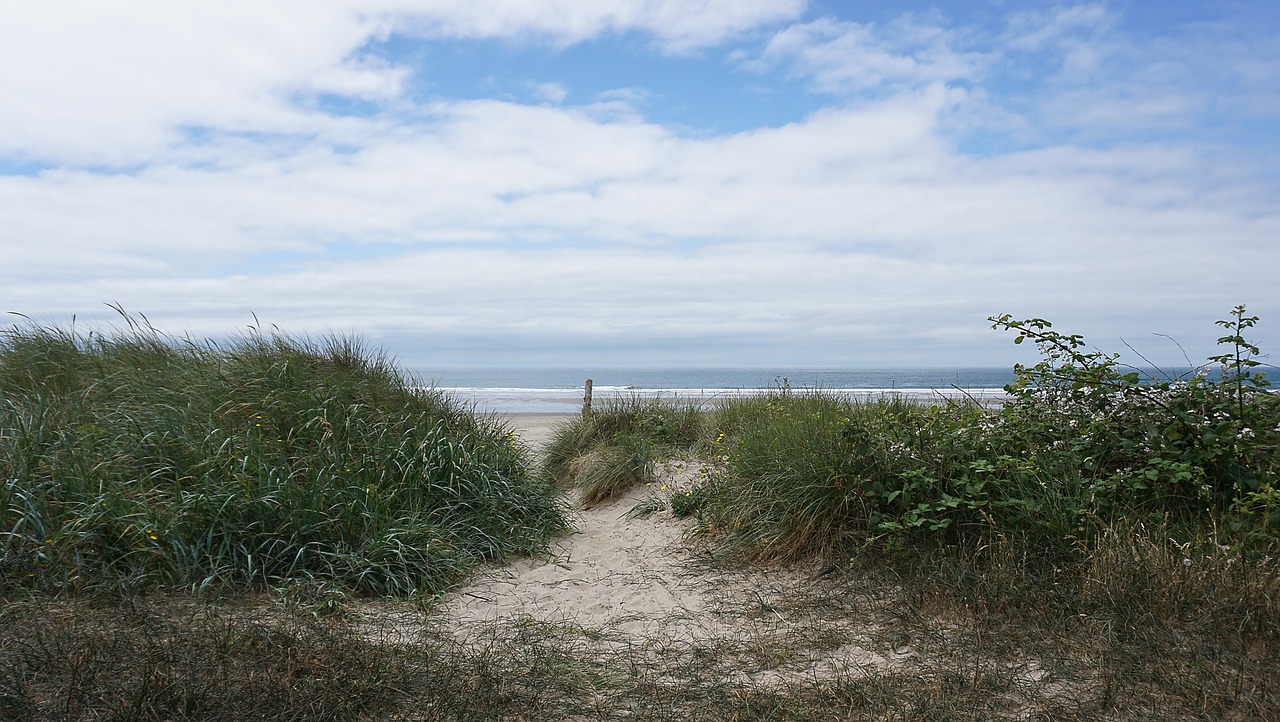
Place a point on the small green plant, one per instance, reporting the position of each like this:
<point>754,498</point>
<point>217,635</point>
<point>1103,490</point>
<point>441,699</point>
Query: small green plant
<point>608,471</point>
<point>690,503</point>
<point>1239,363</point>
<point>810,472</point>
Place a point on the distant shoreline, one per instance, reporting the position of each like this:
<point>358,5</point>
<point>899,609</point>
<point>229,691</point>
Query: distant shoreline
<point>552,401</point>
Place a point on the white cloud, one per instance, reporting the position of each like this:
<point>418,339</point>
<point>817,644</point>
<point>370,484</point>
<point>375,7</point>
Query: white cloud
<point>501,219</point>
<point>1098,78</point>
<point>841,57</point>
<point>1045,27</point>
<point>368,79</point>
<point>854,233</point>
<point>118,83</point>
<point>552,93</point>
<point>678,25</point>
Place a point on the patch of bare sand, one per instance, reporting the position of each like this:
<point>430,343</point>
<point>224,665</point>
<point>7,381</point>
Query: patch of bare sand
<point>637,580</point>
<point>612,571</point>
<point>535,430</point>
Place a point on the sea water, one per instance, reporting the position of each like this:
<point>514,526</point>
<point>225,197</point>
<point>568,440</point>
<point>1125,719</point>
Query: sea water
<point>539,390</point>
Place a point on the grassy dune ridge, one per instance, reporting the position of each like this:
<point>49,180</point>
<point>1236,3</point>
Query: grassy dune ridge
<point>140,460</point>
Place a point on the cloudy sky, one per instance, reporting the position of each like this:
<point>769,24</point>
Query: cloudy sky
<point>646,182</point>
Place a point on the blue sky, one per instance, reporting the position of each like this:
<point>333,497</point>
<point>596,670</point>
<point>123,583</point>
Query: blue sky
<point>646,182</point>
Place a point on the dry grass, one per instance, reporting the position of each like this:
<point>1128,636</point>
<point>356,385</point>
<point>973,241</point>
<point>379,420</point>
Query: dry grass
<point>880,640</point>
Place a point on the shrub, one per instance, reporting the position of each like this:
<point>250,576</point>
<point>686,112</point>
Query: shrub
<point>1188,446</point>
<point>809,472</point>
<point>1081,442</point>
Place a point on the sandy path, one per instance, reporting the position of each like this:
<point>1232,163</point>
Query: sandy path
<point>612,571</point>
<point>631,576</point>
<point>634,586</point>
<point>624,572</point>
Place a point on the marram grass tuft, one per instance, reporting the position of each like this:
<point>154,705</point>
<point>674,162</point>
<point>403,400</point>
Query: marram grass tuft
<point>136,460</point>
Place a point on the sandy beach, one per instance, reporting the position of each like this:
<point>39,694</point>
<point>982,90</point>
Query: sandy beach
<point>536,429</point>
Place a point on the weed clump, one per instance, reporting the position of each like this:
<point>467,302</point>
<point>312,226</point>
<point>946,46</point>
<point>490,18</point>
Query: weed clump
<point>807,473</point>
<point>605,452</point>
<point>137,460</point>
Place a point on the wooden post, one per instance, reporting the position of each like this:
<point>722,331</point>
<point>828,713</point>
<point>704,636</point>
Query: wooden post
<point>586,400</point>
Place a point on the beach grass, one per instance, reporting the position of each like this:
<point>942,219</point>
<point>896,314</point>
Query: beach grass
<point>928,653</point>
<point>603,453</point>
<point>137,460</point>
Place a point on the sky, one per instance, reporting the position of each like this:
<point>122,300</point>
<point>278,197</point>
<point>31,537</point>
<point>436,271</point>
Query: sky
<point>646,182</point>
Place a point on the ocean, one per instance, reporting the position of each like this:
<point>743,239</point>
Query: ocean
<point>549,390</point>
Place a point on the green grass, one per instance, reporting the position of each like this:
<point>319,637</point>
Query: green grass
<point>966,500</point>
<point>806,473</point>
<point>604,453</point>
<point>136,460</point>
